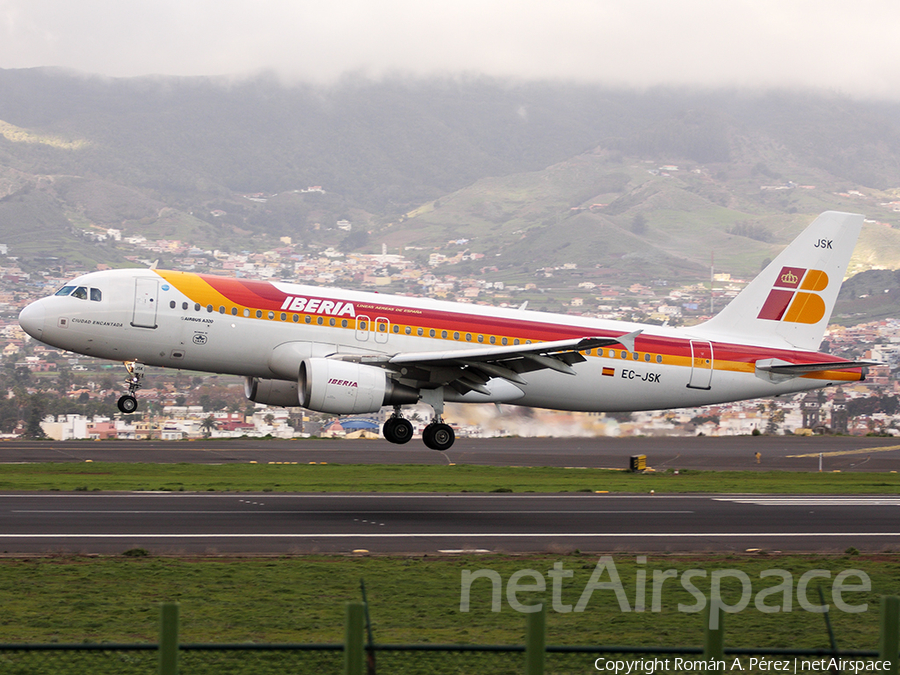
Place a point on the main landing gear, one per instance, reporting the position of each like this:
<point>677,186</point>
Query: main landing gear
<point>128,403</point>
<point>437,435</point>
<point>397,429</point>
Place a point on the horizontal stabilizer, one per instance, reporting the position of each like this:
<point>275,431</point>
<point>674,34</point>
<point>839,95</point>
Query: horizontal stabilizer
<point>776,370</point>
<point>783,368</point>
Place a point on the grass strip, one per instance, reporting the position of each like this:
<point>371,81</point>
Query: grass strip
<point>417,599</point>
<point>87,476</point>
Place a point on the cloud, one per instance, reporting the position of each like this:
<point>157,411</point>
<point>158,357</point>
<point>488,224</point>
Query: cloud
<point>830,44</point>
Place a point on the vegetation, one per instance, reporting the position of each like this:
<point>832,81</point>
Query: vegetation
<point>415,599</point>
<point>425,478</point>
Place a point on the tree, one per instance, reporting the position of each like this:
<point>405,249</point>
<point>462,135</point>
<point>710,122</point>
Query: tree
<point>208,425</point>
<point>776,418</point>
<point>639,224</point>
<point>34,415</point>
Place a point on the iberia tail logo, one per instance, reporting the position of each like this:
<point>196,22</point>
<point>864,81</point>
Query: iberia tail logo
<point>795,298</point>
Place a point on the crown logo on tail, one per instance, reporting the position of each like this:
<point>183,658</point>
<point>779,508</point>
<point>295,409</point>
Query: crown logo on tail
<point>789,279</point>
<point>791,301</point>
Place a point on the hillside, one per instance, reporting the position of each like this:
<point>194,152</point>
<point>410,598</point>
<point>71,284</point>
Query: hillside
<point>530,175</point>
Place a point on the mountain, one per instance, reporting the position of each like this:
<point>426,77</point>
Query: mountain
<point>581,174</point>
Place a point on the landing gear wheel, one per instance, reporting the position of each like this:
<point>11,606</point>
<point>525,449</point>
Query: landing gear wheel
<point>398,430</point>
<point>438,436</point>
<point>127,403</point>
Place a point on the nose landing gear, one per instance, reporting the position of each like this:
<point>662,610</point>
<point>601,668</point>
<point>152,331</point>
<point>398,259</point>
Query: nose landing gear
<point>128,403</point>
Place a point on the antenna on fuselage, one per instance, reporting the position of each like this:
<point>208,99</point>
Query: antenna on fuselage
<point>154,264</point>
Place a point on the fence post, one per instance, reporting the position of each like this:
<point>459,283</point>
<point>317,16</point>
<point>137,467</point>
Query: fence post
<point>354,622</point>
<point>713,638</point>
<point>889,637</point>
<point>536,642</point>
<point>168,638</point>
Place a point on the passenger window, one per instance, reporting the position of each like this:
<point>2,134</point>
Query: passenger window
<point>209,308</point>
<point>65,290</point>
<point>196,306</point>
<point>97,296</point>
<point>80,293</point>
<point>171,304</point>
<point>246,312</point>
<point>184,305</point>
<point>234,311</point>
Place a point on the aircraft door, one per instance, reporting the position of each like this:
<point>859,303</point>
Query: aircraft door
<point>362,328</point>
<point>701,365</point>
<point>146,291</point>
<point>382,329</point>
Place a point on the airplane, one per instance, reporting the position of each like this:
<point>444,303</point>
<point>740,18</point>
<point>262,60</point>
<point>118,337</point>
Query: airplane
<point>350,352</point>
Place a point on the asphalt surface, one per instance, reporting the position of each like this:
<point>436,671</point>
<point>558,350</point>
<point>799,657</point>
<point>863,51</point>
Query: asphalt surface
<point>267,523</point>
<point>784,453</point>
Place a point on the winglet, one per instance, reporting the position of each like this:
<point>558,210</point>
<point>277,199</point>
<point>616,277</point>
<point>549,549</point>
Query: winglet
<point>627,340</point>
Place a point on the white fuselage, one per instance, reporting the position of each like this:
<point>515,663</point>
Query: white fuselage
<point>264,329</point>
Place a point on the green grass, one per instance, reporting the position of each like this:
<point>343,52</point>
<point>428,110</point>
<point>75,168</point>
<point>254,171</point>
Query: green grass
<point>414,599</point>
<point>88,476</point>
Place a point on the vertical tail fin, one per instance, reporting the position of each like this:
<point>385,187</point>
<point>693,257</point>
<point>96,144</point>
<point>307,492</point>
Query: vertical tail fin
<point>791,300</point>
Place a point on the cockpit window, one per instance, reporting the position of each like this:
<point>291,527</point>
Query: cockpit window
<point>80,293</point>
<point>96,295</point>
<point>65,290</point>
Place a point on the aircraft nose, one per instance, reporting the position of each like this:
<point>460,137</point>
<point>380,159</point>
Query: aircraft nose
<point>31,319</point>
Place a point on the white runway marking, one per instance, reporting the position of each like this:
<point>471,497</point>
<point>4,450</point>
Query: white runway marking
<point>813,501</point>
<point>256,512</point>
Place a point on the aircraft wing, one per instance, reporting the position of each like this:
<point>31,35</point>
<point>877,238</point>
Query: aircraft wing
<point>470,369</point>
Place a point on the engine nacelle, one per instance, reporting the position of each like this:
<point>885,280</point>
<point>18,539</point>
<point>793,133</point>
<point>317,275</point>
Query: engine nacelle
<point>342,388</point>
<point>272,392</point>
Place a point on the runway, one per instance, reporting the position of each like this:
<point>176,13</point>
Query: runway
<point>737,453</point>
<point>269,523</point>
<point>277,524</point>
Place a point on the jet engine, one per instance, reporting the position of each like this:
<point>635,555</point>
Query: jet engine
<point>272,392</point>
<point>341,387</point>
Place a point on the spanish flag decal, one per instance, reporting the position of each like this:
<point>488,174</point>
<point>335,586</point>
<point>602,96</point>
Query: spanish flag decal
<point>609,372</point>
<point>795,298</point>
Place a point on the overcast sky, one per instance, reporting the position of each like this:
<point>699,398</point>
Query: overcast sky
<point>847,47</point>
